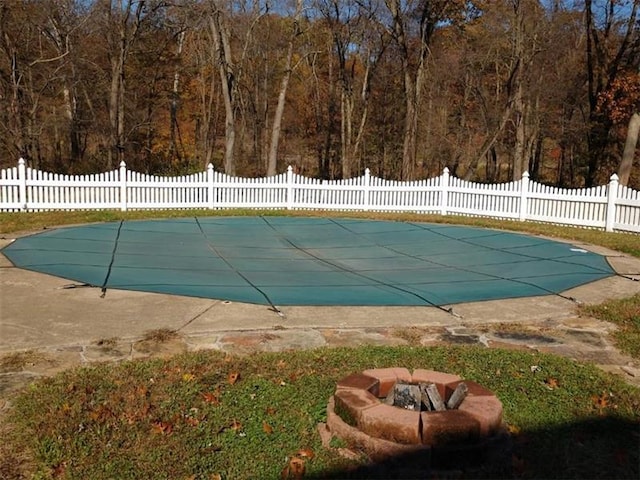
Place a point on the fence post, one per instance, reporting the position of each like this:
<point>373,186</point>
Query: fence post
<point>210,186</point>
<point>22,185</point>
<point>524,197</point>
<point>366,190</point>
<point>612,196</point>
<point>123,186</point>
<point>289,187</point>
<point>444,191</point>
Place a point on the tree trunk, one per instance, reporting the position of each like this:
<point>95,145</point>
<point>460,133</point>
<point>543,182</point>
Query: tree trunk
<point>624,171</point>
<point>228,81</point>
<point>175,101</point>
<point>272,162</point>
<point>413,82</point>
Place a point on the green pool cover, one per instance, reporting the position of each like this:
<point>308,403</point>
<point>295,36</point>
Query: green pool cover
<point>282,261</point>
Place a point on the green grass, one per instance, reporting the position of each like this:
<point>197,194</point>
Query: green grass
<point>625,313</point>
<point>184,418</point>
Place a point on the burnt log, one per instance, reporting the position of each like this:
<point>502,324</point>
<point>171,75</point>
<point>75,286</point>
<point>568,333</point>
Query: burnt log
<point>436,399</point>
<point>458,395</point>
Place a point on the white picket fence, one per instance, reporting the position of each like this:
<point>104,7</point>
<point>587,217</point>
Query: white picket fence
<point>611,207</point>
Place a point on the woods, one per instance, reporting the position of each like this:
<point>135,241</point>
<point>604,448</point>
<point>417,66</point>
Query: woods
<point>487,88</point>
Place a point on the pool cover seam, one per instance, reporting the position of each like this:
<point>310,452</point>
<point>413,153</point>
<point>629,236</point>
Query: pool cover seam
<point>495,277</point>
<point>375,281</point>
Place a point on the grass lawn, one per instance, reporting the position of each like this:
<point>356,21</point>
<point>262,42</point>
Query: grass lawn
<point>207,415</point>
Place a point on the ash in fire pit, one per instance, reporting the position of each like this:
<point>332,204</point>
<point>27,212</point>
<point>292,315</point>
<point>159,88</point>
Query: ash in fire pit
<point>424,397</point>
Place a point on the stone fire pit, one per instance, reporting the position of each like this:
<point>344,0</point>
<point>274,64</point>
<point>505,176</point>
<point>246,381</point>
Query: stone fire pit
<point>358,414</point>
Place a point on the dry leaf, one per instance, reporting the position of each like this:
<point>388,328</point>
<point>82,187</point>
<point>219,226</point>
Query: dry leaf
<point>142,391</point>
<point>194,422</point>
<point>211,397</point>
<point>621,456</point>
<point>600,402</point>
<point>59,470</point>
<point>518,465</point>
<point>233,377</point>
<point>294,470</point>
<point>215,476</point>
<point>235,425</point>
<point>282,364</point>
<point>188,377</point>
<point>268,429</point>
<point>513,429</point>
<point>161,428</point>
<point>552,383</point>
<point>305,453</point>
<point>271,411</point>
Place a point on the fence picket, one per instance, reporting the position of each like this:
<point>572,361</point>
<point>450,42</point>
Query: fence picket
<point>610,207</point>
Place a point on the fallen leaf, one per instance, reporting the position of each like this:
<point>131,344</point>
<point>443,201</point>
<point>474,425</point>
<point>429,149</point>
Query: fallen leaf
<point>513,429</point>
<point>600,402</point>
<point>268,429</point>
<point>188,377</point>
<point>161,428</point>
<point>621,456</point>
<point>294,470</point>
<point>518,465</point>
<point>271,411</point>
<point>194,422</point>
<point>282,364</point>
<point>211,397</point>
<point>215,476</point>
<point>552,383</point>
<point>305,453</point>
<point>235,425</point>
<point>59,470</point>
<point>233,377</point>
<point>142,391</point>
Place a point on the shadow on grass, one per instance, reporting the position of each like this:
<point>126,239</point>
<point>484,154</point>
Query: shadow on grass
<point>598,448</point>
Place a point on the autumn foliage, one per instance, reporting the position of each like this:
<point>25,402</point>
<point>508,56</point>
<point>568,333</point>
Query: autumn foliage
<point>486,88</point>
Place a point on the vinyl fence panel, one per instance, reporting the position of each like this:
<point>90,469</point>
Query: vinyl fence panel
<point>610,207</point>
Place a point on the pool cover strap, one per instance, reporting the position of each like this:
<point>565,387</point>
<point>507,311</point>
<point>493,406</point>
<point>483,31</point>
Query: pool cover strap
<point>103,288</point>
<point>213,248</point>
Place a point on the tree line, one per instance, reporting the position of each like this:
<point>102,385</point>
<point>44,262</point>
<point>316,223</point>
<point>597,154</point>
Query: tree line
<point>487,88</point>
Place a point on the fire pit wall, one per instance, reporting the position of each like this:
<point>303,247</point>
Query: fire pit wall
<point>357,402</point>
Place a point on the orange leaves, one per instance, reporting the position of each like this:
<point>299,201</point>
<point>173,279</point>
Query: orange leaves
<point>294,470</point>
<point>305,453</point>
<point>621,98</point>
<point>233,378</point>
<point>266,428</point>
<point>296,467</point>
<point>552,383</point>
<point>212,397</point>
<point>601,402</point>
<point>518,465</point>
<point>161,428</point>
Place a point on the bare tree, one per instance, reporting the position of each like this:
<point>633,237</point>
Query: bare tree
<point>282,94</point>
<point>613,41</point>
